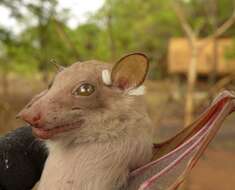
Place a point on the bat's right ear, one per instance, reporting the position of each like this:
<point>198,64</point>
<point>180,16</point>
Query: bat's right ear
<point>130,71</point>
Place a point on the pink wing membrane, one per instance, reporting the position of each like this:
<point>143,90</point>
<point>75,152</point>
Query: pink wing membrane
<point>175,158</point>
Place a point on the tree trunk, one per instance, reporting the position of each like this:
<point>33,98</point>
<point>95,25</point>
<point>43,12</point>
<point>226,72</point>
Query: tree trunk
<point>4,96</point>
<point>5,84</point>
<point>111,36</point>
<point>191,81</point>
<point>214,68</point>
<point>66,38</point>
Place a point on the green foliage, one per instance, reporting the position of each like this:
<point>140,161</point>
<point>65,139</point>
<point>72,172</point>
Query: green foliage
<point>206,15</point>
<point>119,27</point>
<point>138,26</point>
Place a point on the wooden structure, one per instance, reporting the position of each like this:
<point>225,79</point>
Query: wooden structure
<point>179,57</point>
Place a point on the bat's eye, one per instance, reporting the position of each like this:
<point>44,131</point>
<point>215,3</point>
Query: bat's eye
<point>85,89</point>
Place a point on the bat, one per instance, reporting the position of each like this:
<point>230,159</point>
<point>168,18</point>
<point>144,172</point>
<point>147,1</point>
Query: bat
<point>123,144</point>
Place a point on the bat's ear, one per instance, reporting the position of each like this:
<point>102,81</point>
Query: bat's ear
<point>130,71</point>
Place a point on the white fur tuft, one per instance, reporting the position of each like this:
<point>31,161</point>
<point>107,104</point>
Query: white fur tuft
<point>137,91</point>
<point>106,77</point>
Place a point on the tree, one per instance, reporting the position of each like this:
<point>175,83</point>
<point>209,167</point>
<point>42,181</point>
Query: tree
<point>196,46</point>
<point>6,42</point>
<point>137,26</point>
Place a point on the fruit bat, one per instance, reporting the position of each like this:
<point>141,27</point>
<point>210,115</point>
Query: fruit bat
<point>99,136</point>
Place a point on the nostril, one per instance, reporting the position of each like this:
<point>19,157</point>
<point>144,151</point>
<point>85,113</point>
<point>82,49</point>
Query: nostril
<point>32,120</point>
<point>36,118</point>
<point>33,117</point>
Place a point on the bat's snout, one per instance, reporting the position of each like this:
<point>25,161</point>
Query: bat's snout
<point>32,112</point>
<point>33,118</point>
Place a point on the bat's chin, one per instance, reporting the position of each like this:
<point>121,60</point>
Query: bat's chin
<point>43,133</point>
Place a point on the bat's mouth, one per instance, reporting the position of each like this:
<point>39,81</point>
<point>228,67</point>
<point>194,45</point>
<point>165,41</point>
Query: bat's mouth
<point>43,133</point>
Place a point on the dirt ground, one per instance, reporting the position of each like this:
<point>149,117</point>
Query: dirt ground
<point>215,170</point>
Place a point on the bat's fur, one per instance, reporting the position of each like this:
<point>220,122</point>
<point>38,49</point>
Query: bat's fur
<point>113,134</point>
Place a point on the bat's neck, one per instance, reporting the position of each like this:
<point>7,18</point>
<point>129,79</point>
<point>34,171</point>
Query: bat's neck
<point>95,165</point>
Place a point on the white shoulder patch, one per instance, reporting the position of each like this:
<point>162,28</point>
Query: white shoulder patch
<point>106,77</point>
<point>137,91</point>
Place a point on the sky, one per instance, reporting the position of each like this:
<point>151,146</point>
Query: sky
<point>79,9</point>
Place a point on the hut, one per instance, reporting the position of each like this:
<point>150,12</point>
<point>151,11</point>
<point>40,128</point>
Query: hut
<point>179,57</point>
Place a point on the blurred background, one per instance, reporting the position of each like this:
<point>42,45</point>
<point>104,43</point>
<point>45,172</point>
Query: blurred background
<point>190,43</point>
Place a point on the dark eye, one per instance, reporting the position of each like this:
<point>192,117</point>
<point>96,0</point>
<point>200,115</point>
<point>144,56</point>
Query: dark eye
<point>85,89</point>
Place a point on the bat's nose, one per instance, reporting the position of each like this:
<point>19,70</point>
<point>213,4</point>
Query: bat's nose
<point>31,118</point>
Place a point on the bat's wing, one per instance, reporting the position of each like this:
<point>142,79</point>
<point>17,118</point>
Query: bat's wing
<point>174,158</point>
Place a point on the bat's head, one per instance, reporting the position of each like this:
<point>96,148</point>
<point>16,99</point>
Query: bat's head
<point>88,99</point>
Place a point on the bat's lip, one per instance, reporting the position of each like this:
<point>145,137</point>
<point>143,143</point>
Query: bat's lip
<point>44,133</point>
